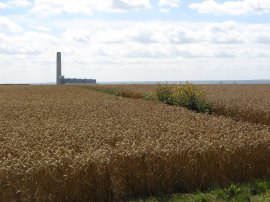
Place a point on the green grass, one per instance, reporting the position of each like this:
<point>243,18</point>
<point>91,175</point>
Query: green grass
<point>118,92</point>
<point>257,191</point>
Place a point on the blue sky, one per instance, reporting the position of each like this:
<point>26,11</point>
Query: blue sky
<point>134,40</point>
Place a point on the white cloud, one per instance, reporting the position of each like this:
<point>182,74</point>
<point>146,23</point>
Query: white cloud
<point>78,35</point>
<point>226,33</point>
<point>99,49</point>
<point>28,43</point>
<point>233,7</point>
<point>130,4</point>
<point>170,3</point>
<point>19,3</point>
<point>149,39</point>
<point>2,5</point>
<point>15,3</point>
<point>52,7</point>
<point>263,37</point>
<point>42,28</point>
<point>8,25</point>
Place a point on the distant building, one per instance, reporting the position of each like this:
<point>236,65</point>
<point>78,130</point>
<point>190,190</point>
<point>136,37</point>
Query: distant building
<point>60,80</point>
<point>79,81</point>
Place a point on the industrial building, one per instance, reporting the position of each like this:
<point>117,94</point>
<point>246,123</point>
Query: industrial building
<point>62,80</point>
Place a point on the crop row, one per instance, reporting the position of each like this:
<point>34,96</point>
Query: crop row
<point>250,103</point>
<point>71,144</point>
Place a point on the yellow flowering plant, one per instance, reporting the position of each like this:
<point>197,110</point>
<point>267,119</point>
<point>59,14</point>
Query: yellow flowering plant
<point>184,95</point>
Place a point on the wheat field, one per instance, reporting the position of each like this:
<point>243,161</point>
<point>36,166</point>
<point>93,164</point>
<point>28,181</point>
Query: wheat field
<point>241,102</point>
<point>72,144</point>
<point>250,103</point>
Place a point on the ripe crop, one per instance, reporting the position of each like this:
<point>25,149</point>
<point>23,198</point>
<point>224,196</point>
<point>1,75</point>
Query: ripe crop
<point>72,144</point>
<point>250,103</point>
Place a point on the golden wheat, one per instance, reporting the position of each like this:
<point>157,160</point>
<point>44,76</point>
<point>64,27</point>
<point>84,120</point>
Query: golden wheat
<point>241,102</point>
<point>72,144</point>
<point>250,103</point>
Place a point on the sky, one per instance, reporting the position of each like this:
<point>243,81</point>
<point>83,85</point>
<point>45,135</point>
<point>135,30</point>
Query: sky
<point>134,40</point>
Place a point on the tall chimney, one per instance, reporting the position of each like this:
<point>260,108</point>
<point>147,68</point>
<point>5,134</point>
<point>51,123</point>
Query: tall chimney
<point>58,68</point>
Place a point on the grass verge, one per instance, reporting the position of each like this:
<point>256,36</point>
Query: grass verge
<point>185,95</point>
<point>118,92</point>
<point>257,191</point>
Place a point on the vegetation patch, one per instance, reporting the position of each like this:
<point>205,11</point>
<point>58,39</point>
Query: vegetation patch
<point>232,193</point>
<point>149,96</point>
<point>185,95</point>
<point>118,92</point>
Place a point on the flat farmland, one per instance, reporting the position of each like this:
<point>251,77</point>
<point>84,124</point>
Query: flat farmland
<point>68,143</point>
<point>250,103</point>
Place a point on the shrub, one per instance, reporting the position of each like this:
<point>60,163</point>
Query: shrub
<point>186,95</point>
<point>191,97</point>
<point>165,93</point>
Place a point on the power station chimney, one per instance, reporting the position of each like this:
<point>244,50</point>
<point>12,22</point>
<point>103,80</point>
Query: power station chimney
<point>58,68</point>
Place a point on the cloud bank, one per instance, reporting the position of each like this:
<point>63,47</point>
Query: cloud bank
<point>243,7</point>
<point>116,40</point>
<point>52,7</point>
<point>100,49</point>
<point>170,3</point>
<point>14,4</point>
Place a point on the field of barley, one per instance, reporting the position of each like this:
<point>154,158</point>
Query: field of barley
<point>250,103</point>
<point>69,143</point>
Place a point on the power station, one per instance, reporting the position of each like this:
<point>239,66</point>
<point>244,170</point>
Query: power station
<point>61,79</point>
